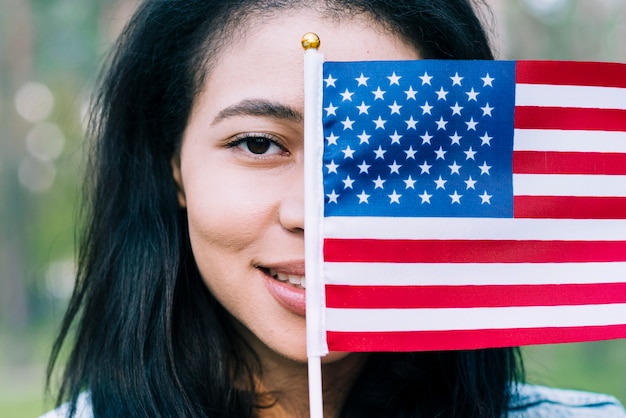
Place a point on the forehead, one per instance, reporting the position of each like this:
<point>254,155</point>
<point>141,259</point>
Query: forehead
<point>266,59</point>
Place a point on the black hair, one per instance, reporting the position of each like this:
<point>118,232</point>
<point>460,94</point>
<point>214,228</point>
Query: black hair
<point>149,339</point>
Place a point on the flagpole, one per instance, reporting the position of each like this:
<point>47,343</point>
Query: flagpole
<point>313,203</point>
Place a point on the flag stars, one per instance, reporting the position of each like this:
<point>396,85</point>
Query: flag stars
<point>485,198</point>
<point>472,95</point>
<point>410,153</point>
<point>380,153</point>
<point>394,168</point>
<point>456,109</point>
<point>364,167</point>
<point>330,110</point>
<point>332,167</point>
<point>456,139</point>
<point>426,138</point>
<point>394,79</point>
<point>426,109</point>
<point>410,93</point>
<point>487,110</point>
<point>469,154</point>
<point>395,108</point>
<point>426,79</point>
<point>362,80</point>
<point>471,124</point>
<point>347,124</point>
<point>379,94</point>
<point>380,123</point>
<point>394,198</point>
<point>487,81</point>
<point>441,124</point>
<point>425,197</point>
<point>363,197</point>
<point>484,169</point>
<point>347,95</point>
<point>364,138</point>
<point>332,139</point>
<point>347,183</point>
<point>454,168</point>
<point>456,198</point>
<point>330,81</point>
<point>441,94</point>
<point>486,139</point>
<point>425,167</point>
<point>441,183</point>
<point>470,183</point>
<point>395,138</point>
<point>348,153</point>
<point>411,123</point>
<point>363,108</point>
<point>410,183</point>
<point>441,154</point>
<point>378,183</point>
<point>332,197</point>
<point>456,80</point>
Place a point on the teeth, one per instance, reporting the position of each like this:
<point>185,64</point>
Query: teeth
<point>291,278</point>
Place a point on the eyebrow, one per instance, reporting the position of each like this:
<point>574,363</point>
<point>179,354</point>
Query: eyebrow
<point>259,107</point>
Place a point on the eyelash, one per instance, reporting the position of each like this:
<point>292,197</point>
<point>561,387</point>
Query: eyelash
<point>241,139</point>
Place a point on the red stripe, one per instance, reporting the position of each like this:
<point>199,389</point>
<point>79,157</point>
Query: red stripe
<point>541,162</point>
<point>489,296</point>
<point>467,339</point>
<point>569,207</point>
<point>569,118</point>
<point>600,74</point>
<point>472,251</point>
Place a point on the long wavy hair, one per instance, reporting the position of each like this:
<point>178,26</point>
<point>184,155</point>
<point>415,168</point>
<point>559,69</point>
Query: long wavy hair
<point>147,338</point>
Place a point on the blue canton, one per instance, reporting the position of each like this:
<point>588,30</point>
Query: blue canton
<point>419,138</point>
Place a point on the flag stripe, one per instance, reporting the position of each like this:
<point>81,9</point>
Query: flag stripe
<point>570,96</point>
<point>391,320</point>
<point>468,251</point>
<point>467,339</point>
<point>407,274</point>
<point>570,207</point>
<point>475,228</point>
<point>571,73</point>
<point>569,185</point>
<point>569,141</point>
<point>542,162</point>
<point>410,297</point>
<point>536,117</point>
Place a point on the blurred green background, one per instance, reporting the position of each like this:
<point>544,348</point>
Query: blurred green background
<point>50,51</point>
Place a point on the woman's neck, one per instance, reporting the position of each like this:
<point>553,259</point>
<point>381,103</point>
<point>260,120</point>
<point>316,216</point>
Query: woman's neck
<point>286,383</point>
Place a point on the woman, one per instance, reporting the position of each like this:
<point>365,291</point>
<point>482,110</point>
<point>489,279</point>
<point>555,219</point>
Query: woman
<point>195,216</point>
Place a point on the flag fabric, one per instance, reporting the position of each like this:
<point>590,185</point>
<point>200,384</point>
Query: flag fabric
<point>473,204</point>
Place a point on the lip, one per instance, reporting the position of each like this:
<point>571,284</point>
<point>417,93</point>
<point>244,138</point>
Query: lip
<point>291,298</point>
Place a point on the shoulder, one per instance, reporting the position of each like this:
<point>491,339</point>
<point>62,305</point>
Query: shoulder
<point>530,401</point>
<point>83,409</point>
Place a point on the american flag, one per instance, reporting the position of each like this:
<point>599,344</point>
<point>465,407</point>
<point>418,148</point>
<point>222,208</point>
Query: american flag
<point>473,204</point>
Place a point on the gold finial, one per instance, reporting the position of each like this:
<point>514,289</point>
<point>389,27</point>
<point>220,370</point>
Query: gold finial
<point>310,40</point>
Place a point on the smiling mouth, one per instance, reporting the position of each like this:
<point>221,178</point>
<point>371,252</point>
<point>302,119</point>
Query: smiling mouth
<point>296,281</point>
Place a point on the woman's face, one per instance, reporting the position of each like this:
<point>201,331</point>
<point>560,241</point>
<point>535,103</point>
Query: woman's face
<point>241,171</point>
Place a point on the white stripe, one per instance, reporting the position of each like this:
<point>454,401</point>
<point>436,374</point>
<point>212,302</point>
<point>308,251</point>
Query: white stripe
<point>409,274</point>
<point>475,228</point>
<point>384,320</point>
<point>569,185</point>
<point>569,141</point>
<point>570,96</point>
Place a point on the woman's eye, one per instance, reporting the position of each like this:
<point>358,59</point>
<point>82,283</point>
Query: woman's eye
<point>258,145</point>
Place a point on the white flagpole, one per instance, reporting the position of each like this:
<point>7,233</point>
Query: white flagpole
<point>313,215</point>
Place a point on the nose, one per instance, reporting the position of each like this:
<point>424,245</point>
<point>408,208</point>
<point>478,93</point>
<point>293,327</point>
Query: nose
<point>291,210</point>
